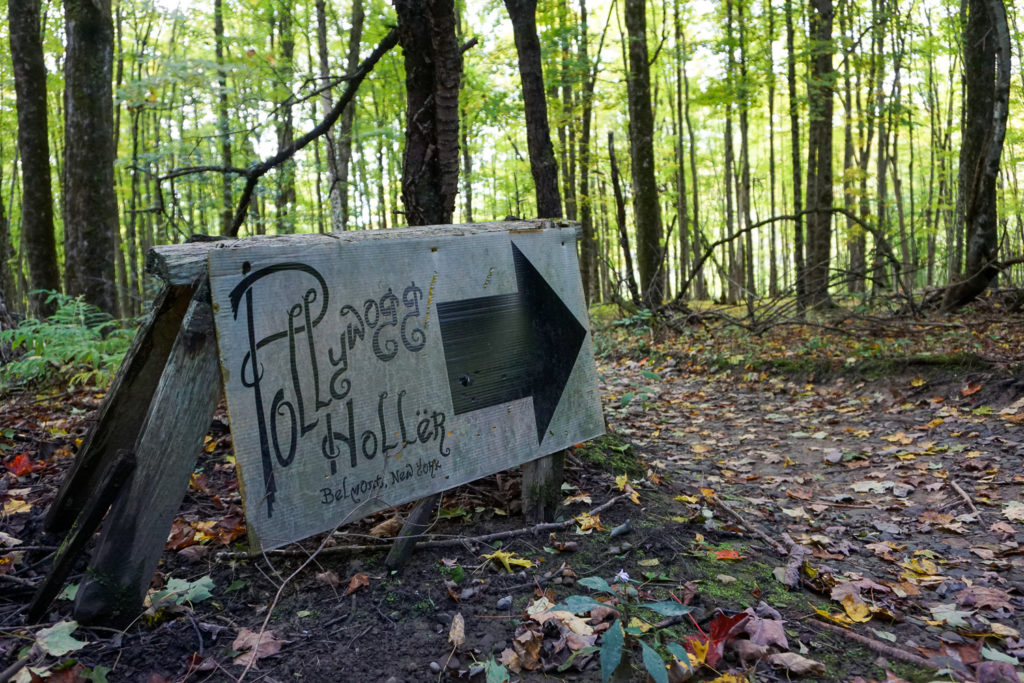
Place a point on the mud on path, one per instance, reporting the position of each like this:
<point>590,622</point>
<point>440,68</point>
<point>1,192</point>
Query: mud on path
<point>902,494</point>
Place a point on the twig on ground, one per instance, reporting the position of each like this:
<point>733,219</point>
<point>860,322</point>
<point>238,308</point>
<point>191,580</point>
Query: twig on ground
<point>434,543</point>
<point>749,526</point>
<point>883,649</point>
<point>963,494</point>
<point>796,558</point>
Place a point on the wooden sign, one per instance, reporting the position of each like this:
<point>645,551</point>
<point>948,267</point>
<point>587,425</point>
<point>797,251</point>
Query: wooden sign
<point>365,370</point>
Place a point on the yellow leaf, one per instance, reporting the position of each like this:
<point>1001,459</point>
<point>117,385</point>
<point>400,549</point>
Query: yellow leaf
<point>687,499</point>
<point>788,462</point>
<point>621,482</point>
<point>855,609</point>
<point>730,678</point>
<point>637,622</point>
<point>578,498</point>
<point>15,506</point>
<point>507,559</point>
<point>923,567</point>
<point>918,382</point>
<point>588,522</point>
<point>837,617</point>
<point>700,652</point>
<point>209,444</point>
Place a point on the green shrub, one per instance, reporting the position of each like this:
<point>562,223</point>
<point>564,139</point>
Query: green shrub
<point>77,345</point>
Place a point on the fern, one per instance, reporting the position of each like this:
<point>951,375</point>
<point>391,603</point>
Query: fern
<point>78,345</point>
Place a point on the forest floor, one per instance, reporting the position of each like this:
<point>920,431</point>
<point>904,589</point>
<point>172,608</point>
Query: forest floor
<point>873,466</point>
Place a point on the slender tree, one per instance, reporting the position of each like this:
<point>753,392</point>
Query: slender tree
<point>90,205</point>
<point>543,166</point>
<point>986,50</point>
<point>37,199</point>
<point>819,156</point>
<point>433,70</point>
<point>646,207</point>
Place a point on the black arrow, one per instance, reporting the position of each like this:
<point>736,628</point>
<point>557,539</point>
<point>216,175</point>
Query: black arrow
<point>509,346</point>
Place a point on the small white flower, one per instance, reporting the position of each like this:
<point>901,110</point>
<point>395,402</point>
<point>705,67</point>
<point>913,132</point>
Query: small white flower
<point>622,577</point>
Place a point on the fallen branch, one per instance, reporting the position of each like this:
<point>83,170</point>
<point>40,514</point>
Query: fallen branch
<point>883,649</point>
<point>963,494</point>
<point>434,541</point>
<point>750,527</point>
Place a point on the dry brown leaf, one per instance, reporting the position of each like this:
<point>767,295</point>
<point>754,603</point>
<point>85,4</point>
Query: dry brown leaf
<point>356,582</point>
<point>796,664</point>
<point>389,528</point>
<point>766,632</point>
<point>254,646</point>
<point>329,578</point>
<point>983,597</point>
<point>510,660</point>
<point>457,632</point>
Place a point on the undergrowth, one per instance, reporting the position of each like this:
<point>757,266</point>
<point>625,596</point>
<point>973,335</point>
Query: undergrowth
<point>78,345</point>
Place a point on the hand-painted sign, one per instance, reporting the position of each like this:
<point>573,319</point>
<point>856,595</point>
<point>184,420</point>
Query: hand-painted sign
<point>366,373</point>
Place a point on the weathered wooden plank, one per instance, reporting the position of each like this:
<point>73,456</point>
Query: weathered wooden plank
<point>171,438</point>
<point>124,407</point>
<point>542,487</point>
<point>415,524</point>
<point>106,492</point>
<point>178,264</point>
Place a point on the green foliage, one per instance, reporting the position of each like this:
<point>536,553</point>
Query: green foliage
<point>618,641</point>
<point>77,345</point>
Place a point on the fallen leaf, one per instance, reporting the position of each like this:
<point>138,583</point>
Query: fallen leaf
<point>984,597</point>
<point>389,528</point>
<point>796,664</point>
<point>1014,511</point>
<point>856,609</point>
<point>588,523</point>
<point>507,560</point>
<point>254,646</point>
<point>950,615</point>
<point>457,632</point>
<point>329,578</point>
<point>57,640</point>
<point>358,580</point>
<point>728,554</point>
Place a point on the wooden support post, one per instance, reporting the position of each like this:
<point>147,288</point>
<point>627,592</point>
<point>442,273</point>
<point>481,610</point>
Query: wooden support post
<point>124,407</point>
<point>87,522</point>
<point>415,524</point>
<point>542,487</point>
<point>171,438</point>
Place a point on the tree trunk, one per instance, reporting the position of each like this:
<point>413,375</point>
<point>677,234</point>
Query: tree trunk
<point>646,208</point>
<point>819,156</point>
<point>90,205</point>
<point>620,220</point>
<point>33,145</point>
<point>794,135</point>
<point>987,71</point>
<point>227,206</point>
<point>588,245</point>
<point>543,166</point>
<point>344,149</point>
<point>286,194</point>
<point>433,70</point>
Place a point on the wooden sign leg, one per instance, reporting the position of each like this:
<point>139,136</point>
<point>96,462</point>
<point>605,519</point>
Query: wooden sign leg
<point>415,524</point>
<point>124,407</point>
<point>542,487</point>
<point>171,438</point>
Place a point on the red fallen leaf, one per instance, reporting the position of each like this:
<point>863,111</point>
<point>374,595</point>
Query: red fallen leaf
<point>970,389</point>
<point>198,482</point>
<point>722,629</point>
<point>729,554</point>
<point>22,465</point>
<point>182,535</point>
<point>356,582</point>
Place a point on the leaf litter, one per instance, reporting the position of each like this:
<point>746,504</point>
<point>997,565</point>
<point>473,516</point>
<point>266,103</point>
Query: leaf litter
<point>902,494</point>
